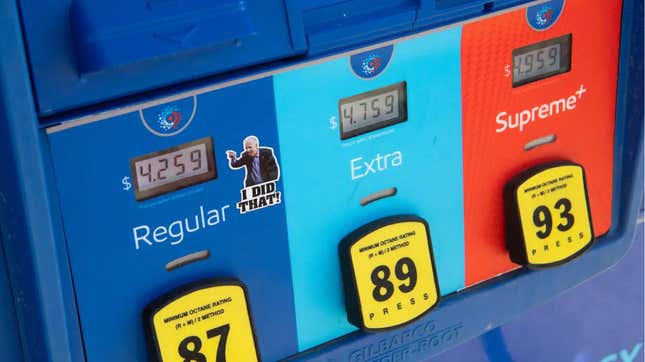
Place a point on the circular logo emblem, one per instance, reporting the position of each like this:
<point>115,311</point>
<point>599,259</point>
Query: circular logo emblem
<point>543,16</point>
<point>169,119</point>
<point>371,63</point>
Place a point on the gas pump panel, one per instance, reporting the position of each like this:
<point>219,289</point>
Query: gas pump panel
<point>309,209</point>
<point>554,97</point>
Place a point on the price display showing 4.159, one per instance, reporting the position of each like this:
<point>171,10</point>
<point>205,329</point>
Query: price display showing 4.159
<point>174,168</point>
<point>372,110</point>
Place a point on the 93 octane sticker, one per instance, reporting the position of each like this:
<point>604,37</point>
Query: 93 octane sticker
<point>389,273</point>
<point>548,215</point>
<point>206,322</point>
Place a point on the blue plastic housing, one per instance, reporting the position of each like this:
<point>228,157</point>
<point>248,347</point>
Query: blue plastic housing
<point>42,75</point>
<point>157,29</point>
<point>85,53</point>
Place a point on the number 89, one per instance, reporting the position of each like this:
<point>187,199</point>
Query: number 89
<point>384,289</point>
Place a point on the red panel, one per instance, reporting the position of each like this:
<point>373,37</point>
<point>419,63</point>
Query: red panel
<point>585,131</point>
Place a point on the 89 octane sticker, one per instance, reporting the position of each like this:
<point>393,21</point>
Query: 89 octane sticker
<point>389,273</point>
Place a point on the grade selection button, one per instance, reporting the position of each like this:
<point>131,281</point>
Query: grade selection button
<point>388,273</point>
<point>548,220</point>
<point>205,322</point>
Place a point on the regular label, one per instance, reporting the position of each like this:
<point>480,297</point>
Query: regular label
<point>207,322</point>
<point>389,273</point>
<point>548,216</point>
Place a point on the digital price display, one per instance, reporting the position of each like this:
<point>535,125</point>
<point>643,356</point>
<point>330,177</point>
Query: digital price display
<point>542,60</point>
<point>548,220</point>
<point>389,274</point>
<point>174,168</point>
<point>372,110</point>
<point>208,321</point>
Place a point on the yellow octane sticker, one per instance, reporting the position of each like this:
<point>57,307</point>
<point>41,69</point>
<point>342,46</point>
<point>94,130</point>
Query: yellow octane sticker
<point>555,216</point>
<point>210,324</point>
<point>392,278</point>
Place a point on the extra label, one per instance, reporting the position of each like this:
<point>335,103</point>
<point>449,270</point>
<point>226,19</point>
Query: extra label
<point>548,215</point>
<point>205,322</point>
<point>389,273</point>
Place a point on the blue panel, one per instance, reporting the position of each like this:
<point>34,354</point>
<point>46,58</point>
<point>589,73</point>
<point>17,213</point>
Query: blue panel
<point>101,50</point>
<point>118,32</point>
<point>353,22</point>
<point>115,276</point>
<point>325,178</point>
<point>441,12</point>
<point>333,24</point>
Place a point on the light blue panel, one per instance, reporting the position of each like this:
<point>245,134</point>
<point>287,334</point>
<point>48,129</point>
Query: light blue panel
<point>322,199</point>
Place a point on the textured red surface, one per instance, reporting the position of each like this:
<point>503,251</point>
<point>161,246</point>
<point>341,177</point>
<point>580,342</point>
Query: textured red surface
<point>585,135</point>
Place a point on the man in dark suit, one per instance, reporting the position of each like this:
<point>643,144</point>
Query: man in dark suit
<point>260,162</point>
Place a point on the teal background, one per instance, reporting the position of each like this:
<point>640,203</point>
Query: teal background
<point>322,201</point>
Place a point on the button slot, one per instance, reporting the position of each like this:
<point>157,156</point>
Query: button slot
<point>187,259</point>
<point>378,196</point>
<point>540,142</point>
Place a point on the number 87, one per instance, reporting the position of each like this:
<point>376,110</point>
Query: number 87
<point>194,353</point>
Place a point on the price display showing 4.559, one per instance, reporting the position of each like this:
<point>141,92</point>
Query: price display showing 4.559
<point>548,219</point>
<point>389,273</point>
<point>204,322</point>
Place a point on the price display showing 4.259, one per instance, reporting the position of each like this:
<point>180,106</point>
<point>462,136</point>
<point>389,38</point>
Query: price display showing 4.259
<point>174,168</point>
<point>389,273</point>
<point>204,322</point>
<point>548,219</point>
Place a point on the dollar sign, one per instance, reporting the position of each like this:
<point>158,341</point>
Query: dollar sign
<point>126,183</point>
<point>332,123</point>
